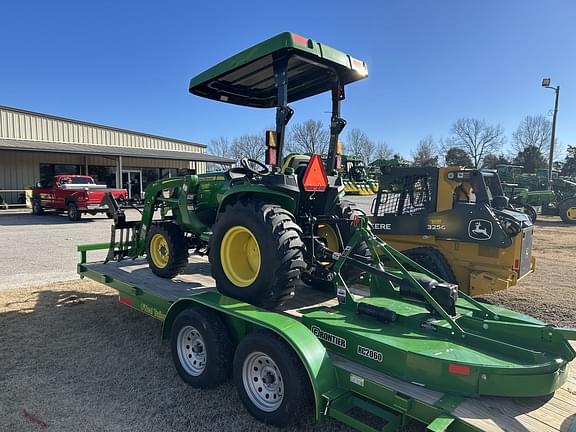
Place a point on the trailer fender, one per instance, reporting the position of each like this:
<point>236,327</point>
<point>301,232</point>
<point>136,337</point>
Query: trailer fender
<point>243,319</point>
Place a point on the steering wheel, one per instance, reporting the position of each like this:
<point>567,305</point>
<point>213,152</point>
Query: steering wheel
<point>247,163</point>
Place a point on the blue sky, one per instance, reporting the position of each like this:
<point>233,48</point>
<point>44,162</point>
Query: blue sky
<point>127,63</point>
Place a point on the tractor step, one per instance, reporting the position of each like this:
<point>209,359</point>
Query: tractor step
<point>361,413</point>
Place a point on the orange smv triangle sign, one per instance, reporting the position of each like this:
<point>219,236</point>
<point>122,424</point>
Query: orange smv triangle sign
<point>315,179</point>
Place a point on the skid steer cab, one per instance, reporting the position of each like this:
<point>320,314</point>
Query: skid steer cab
<point>457,223</point>
<point>264,226</point>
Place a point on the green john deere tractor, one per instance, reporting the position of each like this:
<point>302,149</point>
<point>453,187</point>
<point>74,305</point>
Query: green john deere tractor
<point>262,225</point>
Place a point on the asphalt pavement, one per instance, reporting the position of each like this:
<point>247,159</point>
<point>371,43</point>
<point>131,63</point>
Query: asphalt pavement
<point>38,249</point>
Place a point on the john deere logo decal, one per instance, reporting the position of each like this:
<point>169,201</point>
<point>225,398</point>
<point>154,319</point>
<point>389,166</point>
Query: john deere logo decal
<point>480,229</point>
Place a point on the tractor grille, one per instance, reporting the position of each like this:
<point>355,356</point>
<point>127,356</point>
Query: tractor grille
<point>407,195</point>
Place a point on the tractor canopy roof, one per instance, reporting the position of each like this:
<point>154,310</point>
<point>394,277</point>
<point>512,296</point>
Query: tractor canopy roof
<point>247,78</point>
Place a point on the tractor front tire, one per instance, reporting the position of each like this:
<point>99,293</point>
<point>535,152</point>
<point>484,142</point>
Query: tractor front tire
<point>256,253</point>
<point>567,210</point>
<point>166,250</point>
<point>433,261</point>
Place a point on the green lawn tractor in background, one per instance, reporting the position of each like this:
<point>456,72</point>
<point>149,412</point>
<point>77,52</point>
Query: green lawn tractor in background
<point>262,225</point>
<point>357,179</point>
<point>531,191</point>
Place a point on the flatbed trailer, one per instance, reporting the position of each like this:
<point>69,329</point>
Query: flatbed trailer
<point>350,392</point>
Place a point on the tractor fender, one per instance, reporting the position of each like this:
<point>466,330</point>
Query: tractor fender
<point>242,318</point>
<point>261,193</point>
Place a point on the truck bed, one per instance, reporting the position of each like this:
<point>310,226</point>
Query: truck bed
<point>491,414</point>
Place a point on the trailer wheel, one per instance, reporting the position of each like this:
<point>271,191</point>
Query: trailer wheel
<point>271,380</point>
<point>73,213</point>
<point>433,261</point>
<point>568,210</point>
<point>166,250</point>
<point>256,253</point>
<point>37,207</point>
<point>201,348</point>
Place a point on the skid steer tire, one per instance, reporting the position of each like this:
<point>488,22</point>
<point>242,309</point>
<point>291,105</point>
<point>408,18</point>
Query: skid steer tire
<point>256,253</point>
<point>350,274</point>
<point>433,261</point>
<point>166,250</point>
<point>567,210</point>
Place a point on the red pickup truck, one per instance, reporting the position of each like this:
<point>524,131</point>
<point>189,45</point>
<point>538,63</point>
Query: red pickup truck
<point>75,194</point>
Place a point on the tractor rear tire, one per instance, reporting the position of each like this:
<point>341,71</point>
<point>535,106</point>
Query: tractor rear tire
<point>256,253</point>
<point>166,250</point>
<point>567,210</point>
<point>433,261</point>
<point>350,274</point>
<point>271,380</point>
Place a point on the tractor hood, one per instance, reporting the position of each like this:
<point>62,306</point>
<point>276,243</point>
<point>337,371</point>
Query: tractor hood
<point>247,78</point>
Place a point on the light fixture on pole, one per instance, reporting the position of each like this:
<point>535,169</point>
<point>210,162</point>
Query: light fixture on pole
<point>546,84</point>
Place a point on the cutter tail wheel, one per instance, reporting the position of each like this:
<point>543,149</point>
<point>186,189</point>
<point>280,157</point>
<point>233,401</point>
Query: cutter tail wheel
<point>166,250</point>
<point>568,211</point>
<point>271,380</point>
<point>257,253</point>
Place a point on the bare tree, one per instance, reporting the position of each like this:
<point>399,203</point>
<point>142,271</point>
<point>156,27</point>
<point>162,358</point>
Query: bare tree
<point>383,151</point>
<point>219,147</point>
<point>476,138</point>
<point>533,131</point>
<point>358,144</point>
<point>248,146</point>
<point>308,137</point>
<point>426,153</point>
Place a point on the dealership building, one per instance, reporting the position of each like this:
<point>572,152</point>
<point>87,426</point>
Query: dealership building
<point>34,147</point>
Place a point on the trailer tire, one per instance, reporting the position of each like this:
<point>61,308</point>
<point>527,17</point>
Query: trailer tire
<point>271,380</point>
<point>433,261</point>
<point>73,213</point>
<point>37,207</point>
<point>201,348</point>
<point>166,250</point>
<point>256,253</point>
<point>567,210</point>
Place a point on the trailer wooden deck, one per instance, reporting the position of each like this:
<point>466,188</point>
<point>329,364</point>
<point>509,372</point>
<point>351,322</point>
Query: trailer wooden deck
<point>491,414</point>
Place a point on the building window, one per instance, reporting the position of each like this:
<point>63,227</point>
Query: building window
<point>47,171</point>
<point>103,174</point>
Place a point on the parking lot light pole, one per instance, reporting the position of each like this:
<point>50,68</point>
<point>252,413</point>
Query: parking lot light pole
<point>546,84</point>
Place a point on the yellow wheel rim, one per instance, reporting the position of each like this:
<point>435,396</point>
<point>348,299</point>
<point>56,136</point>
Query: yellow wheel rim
<point>240,256</point>
<point>329,235</point>
<point>571,213</point>
<point>159,251</point>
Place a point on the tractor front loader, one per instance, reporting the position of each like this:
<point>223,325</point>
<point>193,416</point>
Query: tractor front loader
<point>261,224</point>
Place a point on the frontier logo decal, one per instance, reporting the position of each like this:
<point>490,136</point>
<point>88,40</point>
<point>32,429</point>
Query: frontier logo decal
<point>480,229</point>
<point>328,337</point>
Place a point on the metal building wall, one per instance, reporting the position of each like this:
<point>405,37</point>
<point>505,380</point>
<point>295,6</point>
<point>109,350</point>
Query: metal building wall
<point>17,124</point>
